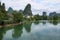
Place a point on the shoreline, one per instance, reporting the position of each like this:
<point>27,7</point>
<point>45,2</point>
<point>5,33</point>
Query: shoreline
<point>11,25</point>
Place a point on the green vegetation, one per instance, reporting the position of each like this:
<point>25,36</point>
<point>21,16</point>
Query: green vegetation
<point>13,16</point>
<point>17,17</point>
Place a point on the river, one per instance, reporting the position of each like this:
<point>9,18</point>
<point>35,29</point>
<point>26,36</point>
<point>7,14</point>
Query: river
<point>40,30</point>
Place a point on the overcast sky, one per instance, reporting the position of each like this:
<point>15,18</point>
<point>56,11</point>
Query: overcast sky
<point>48,5</point>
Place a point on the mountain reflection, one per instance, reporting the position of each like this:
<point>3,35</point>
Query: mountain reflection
<point>27,26</point>
<point>17,31</point>
<point>39,30</point>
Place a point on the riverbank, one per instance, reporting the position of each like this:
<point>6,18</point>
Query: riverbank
<point>9,25</point>
<point>24,22</point>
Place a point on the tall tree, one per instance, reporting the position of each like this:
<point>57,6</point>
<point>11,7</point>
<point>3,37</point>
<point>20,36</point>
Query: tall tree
<point>17,17</point>
<point>0,6</point>
<point>3,8</point>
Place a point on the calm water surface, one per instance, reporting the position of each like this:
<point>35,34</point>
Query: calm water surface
<point>42,30</point>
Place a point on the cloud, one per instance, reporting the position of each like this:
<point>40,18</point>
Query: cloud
<point>15,4</point>
<point>51,5</point>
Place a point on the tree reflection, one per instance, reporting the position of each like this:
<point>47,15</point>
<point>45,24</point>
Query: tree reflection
<point>36,22</point>
<point>17,31</point>
<point>44,22</point>
<point>27,26</point>
<point>54,22</point>
<point>2,31</point>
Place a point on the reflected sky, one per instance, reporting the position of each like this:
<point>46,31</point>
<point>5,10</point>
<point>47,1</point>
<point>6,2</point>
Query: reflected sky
<point>47,31</point>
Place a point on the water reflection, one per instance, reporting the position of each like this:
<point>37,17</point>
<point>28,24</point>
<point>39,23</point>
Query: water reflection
<point>17,31</point>
<point>40,30</point>
<point>54,22</point>
<point>44,22</point>
<point>47,34</point>
<point>27,26</point>
<point>36,22</point>
<point>1,33</point>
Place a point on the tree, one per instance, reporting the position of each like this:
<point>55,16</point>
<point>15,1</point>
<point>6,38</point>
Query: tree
<point>37,17</point>
<point>0,6</point>
<point>3,16</point>
<point>17,17</point>
<point>3,8</point>
<point>55,17</point>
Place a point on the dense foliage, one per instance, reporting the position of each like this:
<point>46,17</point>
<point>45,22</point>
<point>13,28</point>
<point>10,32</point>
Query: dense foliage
<point>17,17</point>
<point>14,16</point>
